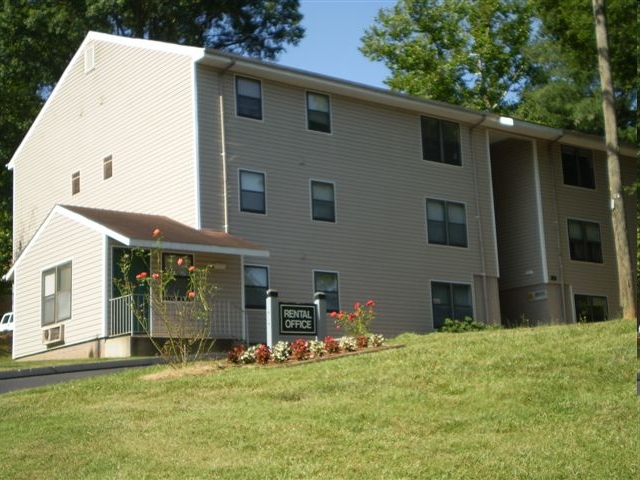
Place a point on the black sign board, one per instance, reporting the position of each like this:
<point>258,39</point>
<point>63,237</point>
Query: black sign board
<point>297,319</point>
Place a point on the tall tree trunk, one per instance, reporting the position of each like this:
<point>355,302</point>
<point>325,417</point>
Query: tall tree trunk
<point>623,259</point>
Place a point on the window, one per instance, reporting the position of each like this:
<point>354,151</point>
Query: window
<point>584,241</point>
<point>327,282</point>
<point>56,294</point>
<point>450,300</point>
<point>577,167</point>
<point>248,98</point>
<point>75,183</point>
<point>256,284</point>
<point>446,223</point>
<point>440,141</point>
<point>318,112</point>
<point>590,308</point>
<point>252,196</point>
<point>178,288</point>
<point>107,167</point>
<point>323,205</point>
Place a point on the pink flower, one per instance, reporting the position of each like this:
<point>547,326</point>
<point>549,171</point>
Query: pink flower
<point>356,305</point>
<point>156,233</point>
<point>192,295</point>
<point>333,314</point>
<point>180,261</point>
<point>370,303</point>
<point>338,327</point>
<point>192,268</point>
<point>156,276</point>
<point>141,276</point>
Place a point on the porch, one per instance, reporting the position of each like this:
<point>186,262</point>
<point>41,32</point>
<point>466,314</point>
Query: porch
<point>226,320</point>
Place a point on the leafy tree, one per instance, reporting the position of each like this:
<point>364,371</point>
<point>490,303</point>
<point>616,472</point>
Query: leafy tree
<point>565,92</point>
<point>38,39</point>
<point>465,53</point>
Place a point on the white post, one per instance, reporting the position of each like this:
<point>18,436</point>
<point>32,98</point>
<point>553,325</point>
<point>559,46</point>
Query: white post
<point>320,299</point>
<point>273,329</point>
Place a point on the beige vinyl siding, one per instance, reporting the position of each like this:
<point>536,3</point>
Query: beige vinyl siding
<point>60,241</point>
<point>137,106</point>
<point>590,205</point>
<point>210,148</point>
<point>517,225</point>
<point>378,244</point>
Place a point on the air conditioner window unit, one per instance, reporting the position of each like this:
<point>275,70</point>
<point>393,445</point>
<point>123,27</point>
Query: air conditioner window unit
<point>53,335</point>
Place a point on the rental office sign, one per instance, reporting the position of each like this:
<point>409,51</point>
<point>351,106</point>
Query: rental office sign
<point>298,319</point>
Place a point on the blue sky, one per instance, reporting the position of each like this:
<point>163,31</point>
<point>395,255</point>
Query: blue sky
<point>333,32</point>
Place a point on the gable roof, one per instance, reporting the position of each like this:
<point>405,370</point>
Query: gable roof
<point>136,230</point>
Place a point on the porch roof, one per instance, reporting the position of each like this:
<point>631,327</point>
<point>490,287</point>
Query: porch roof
<point>136,230</point>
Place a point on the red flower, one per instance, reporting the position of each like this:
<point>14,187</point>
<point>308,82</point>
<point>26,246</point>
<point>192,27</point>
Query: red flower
<point>356,305</point>
<point>192,268</point>
<point>141,276</point>
<point>192,294</point>
<point>370,303</point>
<point>156,233</point>
<point>156,276</point>
<point>333,314</point>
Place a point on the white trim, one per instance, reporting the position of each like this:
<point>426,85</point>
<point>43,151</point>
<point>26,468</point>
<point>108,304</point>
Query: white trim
<point>196,146</point>
<point>494,232</point>
<point>106,294</point>
<point>541,232</point>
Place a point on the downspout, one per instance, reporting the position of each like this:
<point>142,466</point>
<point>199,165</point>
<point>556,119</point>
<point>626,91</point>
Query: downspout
<point>223,149</point>
<point>485,295</point>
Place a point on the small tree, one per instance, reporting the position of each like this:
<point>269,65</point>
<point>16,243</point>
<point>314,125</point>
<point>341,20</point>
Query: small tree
<point>184,317</point>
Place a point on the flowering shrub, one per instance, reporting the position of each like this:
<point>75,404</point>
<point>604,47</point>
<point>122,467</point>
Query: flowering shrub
<point>317,348</point>
<point>281,351</point>
<point>356,323</point>
<point>348,344</point>
<point>331,345</point>
<point>375,340</point>
<point>249,355</point>
<point>300,349</point>
<point>262,354</point>
<point>234,354</point>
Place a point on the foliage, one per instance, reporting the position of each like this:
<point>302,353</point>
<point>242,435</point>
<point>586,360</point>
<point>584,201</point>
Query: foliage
<point>331,345</point>
<point>299,349</point>
<point>356,323</point>
<point>185,320</point>
<point>534,59</point>
<point>348,344</point>
<point>281,351</point>
<point>262,354</point>
<point>466,325</point>
<point>464,53</point>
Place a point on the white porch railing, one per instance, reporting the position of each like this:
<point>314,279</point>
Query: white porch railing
<point>226,319</point>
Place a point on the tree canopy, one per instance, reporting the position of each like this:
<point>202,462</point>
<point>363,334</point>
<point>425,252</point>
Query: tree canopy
<point>534,59</point>
<point>39,38</point>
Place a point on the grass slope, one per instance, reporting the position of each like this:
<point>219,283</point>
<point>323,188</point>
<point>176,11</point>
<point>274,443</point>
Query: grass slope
<point>554,402</point>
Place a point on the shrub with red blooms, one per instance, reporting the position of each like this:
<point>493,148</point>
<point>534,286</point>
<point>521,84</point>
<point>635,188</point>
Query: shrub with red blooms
<point>356,323</point>
<point>299,349</point>
<point>362,341</point>
<point>331,345</point>
<point>262,354</point>
<point>236,352</point>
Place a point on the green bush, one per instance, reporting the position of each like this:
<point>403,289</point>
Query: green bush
<point>459,326</point>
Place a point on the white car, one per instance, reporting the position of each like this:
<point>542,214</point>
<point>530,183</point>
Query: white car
<point>6,324</point>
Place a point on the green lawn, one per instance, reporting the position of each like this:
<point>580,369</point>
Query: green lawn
<point>547,403</point>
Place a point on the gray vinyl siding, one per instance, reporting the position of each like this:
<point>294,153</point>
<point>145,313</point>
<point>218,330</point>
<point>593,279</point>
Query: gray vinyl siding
<point>590,205</point>
<point>517,216</point>
<point>378,244</point>
<point>137,106</point>
<point>59,242</point>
